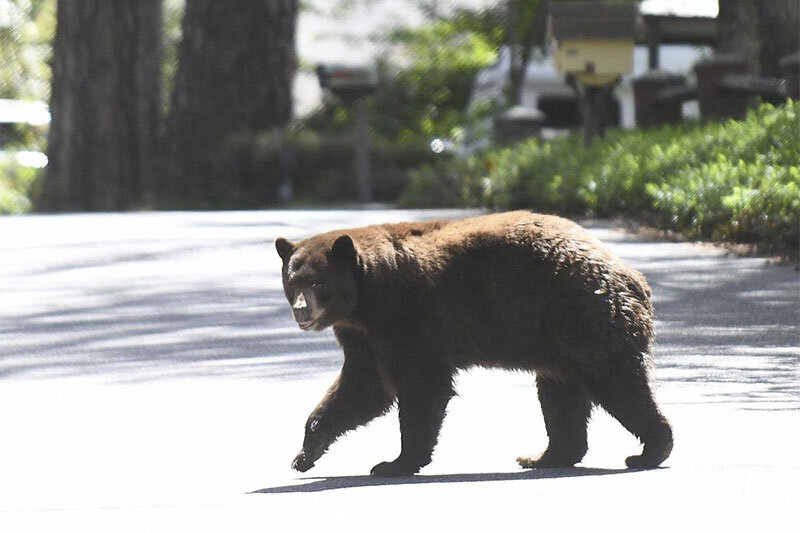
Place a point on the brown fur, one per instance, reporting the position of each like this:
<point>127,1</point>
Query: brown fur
<point>412,303</point>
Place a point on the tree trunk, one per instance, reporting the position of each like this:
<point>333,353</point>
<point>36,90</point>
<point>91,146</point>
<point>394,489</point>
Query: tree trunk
<point>516,68</point>
<point>738,32</point>
<point>526,22</point>
<point>236,64</point>
<point>105,105</point>
<point>780,29</point>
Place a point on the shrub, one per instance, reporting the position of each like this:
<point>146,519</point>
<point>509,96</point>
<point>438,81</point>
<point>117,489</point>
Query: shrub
<point>732,180</point>
<point>16,184</point>
<point>738,201</point>
<point>742,183</point>
<point>252,168</point>
<point>545,175</point>
<point>452,183</point>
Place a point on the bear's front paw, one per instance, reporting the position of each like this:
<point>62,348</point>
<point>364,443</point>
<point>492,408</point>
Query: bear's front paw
<point>302,463</point>
<point>393,469</point>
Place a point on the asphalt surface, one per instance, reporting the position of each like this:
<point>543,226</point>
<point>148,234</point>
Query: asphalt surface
<point>152,379</point>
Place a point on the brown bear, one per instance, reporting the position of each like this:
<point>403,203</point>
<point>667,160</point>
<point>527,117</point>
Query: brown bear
<point>413,303</point>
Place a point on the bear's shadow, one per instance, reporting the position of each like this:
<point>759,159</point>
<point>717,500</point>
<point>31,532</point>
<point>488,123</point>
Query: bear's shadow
<point>322,484</point>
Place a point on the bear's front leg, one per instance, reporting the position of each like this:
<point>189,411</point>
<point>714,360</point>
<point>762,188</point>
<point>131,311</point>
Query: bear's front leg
<point>315,444</point>
<point>348,404</point>
<point>422,399</point>
<point>357,396</point>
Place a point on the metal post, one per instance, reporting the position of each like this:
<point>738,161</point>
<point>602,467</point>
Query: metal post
<point>361,150</point>
<point>286,189</point>
<point>653,44</point>
<point>593,101</point>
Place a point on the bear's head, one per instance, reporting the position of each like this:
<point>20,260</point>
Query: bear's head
<point>319,279</point>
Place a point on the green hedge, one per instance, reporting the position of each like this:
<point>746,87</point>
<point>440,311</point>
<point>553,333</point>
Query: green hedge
<point>730,181</point>
<point>16,183</point>
<point>250,168</point>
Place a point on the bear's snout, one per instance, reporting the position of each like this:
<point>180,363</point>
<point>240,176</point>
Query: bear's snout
<point>301,310</point>
<point>305,310</point>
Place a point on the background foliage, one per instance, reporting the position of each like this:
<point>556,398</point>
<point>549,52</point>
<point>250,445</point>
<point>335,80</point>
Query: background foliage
<point>732,181</point>
<point>425,78</point>
<point>729,181</point>
<point>26,31</point>
<point>16,183</point>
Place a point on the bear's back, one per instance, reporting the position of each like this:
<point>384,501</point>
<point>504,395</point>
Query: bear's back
<point>437,244</point>
<point>492,277</point>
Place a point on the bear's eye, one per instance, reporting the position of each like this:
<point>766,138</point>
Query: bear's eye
<point>319,290</point>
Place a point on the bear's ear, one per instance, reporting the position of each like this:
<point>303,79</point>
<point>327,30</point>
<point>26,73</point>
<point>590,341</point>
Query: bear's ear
<point>284,247</point>
<point>343,250</point>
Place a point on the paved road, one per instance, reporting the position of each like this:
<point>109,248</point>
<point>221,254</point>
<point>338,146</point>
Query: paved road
<point>151,379</point>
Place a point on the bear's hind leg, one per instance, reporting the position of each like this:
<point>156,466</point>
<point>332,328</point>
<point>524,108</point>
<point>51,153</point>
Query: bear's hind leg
<point>628,398</point>
<point>566,408</point>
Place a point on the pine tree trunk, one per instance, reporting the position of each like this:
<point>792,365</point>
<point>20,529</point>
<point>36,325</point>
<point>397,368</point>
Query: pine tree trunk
<point>522,38</point>
<point>516,68</point>
<point>236,64</point>
<point>738,32</point>
<point>780,29</point>
<point>105,105</point>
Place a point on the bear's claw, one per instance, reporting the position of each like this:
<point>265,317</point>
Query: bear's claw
<point>302,463</point>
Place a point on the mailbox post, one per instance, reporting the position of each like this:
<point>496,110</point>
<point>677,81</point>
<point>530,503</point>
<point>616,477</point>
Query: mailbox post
<point>593,46</point>
<point>352,85</point>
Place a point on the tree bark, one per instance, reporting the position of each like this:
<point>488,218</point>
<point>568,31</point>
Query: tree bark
<point>236,64</point>
<point>738,32</point>
<point>780,30</point>
<point>105,105</point>
<point>525,28</point>
<point>516,68</point>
